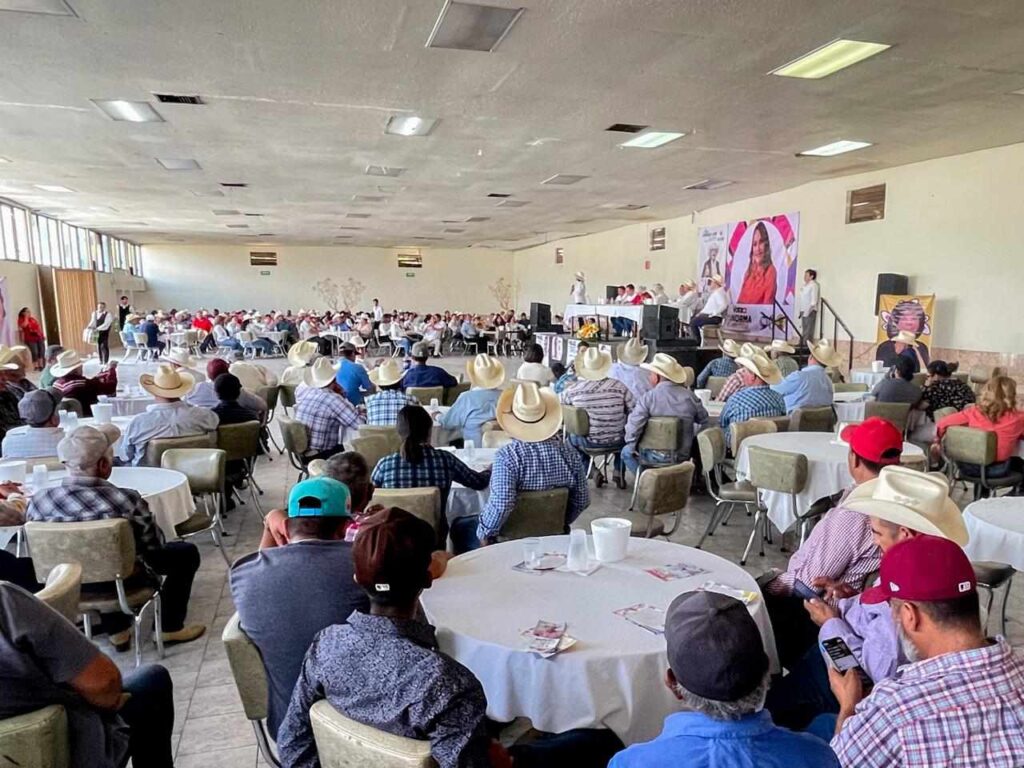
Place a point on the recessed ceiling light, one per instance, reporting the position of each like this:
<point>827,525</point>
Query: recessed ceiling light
<point>463,220</point>
<point>178,163</point>
<point>384,170</point>
<point>652,139</point>
<point>253,215</point>
<point>410,125</point>
<point>349,227</point>
<point>52,188</point>
<point>498,194</point>
<point>173,98</point>
<point>48,7</point>
<point>224,212</point>
<point>626,128</point>
<point>564,179</point>
<point>234,184</point>
<point>4,160</point>
<point>238,226</point>
<point>424,237</point>
<point>709,184</point>
<point>454,231</point>
<point>358,215</point>
<point>477,219</point>
<point>368,198</point>
<point>513,203</point>
<point>835,148</point>
<point>128,111</point>
<point>829,58</point>
<point>471,27</point>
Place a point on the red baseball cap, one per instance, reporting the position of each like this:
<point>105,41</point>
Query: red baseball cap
<point>924,568</point>
<point>875,439</point>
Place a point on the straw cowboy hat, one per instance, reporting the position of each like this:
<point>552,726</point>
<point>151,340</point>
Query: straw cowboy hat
<point>669,368</point>
<point>916,500</point>
<point>387,373</point>
<point>823,351</point>
<point>485,372</point>
<point>180,356</point>
<point>781,346</point>
<point>730,347</point>
<point>529,413</point>
<point>301,353</point>
<point>905,337</point>
<point>580,276</point>
<point>762,367</point>
<point>320,374</point>
<point>593,364</point>
<point>632,352</point>
<point>167,382</point>
<point>8,358</point>
<point>749,350</point>
<point>718,279</point>
<point>689,284</point>
<point>67,361</point>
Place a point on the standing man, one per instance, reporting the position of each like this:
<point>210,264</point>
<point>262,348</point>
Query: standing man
<point>124,308</point>
<point>578,291</point>
<point>810,295</point>
<point>714,308</point>
<point>100,321</point>
<point>378,313</point>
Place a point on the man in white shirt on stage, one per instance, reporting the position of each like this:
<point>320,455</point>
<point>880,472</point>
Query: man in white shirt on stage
<point>810,295</point>
<point>688,301</point>
<point>714,308</point>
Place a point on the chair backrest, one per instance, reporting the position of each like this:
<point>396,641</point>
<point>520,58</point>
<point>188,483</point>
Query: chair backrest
<point>424,503</point>
<point>969,445</point>
<point>920,463</point>
<point>373,448</point>
<point>239,441</point>
<point>141,339</point>
<point>665,489</point>
<point>663,433</point>
<point>155,448</point>
<point>286,394</point>
<point>104,548</point>
<point>742,430</point>
<point>247,669</point>
<point>204,467</point>
<point>941,413</point>
<point>919,378</point>
<point>451,394</point>
<point>390,434</point>
<point>575,420</point>
<point>781,422</point>
<point>537,513</point>
<point>38,739</point>
<point>980,374</point>
<point>711,444</point>
<point>126,339</point>
<point>895,413</point>
<point>72,405</point>
<point>245,337</point>
<point>495,438</point>
<point>963,376</point>
<point>849,386</point>
<point>52,463</point>
<point>294,435</point>
<point>426,394</point>
<point>345,743</point>
<point>781,471</point>
<point>715,384</point>
<point>63,590</point>
<point>820,419</point>
<point>269,395</point>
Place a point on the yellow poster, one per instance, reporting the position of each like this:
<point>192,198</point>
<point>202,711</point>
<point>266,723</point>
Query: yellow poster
<point>907,315</point>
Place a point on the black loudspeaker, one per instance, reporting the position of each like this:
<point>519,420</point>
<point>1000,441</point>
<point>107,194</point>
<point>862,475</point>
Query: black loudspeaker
<point>893,285</point>
<point>611,292</point>
<point>540,315</point>
<point>649,322</point>
<point>668,322</point>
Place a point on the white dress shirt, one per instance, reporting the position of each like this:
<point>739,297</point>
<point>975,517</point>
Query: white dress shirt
<point>31,442</point>
<point>579,292</point>
<point>810,294</point>
<point>101,324</point>
<point>717,303</point>
<point>378,313</point>
<point>175,419</point>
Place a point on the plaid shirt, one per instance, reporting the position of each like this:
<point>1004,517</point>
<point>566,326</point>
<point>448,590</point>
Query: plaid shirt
<point>326,415</point>
<point>955,710</point>
<point>438,468</point>
<point>520,466</point>
<point>607,403</point>
<point>382,409</point>
<point>720,366</point>
<point>732,385</point>
<point>751,403</point>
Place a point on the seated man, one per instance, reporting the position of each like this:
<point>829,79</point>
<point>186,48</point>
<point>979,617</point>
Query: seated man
<point>779,351</point>
<point>756,399</point>
<point>383,669</point>
<point>720,366</point>
<point>229,409</point>
<point>382,409</point>
<point>86,494</point>
<point>474,408</point>
<point>70,382</point>
<point>670,396</point>
<point>811,387</point>
<point>718,669</point>
<point>322,407</point>
<point>46,378</point>
<point>352,377</point>
<point>898,386</point>
<point>45,660</point>
<point>734,383</point>
<point>714,308</point>
<point>627,368</point>
<point>41,434</point>
<point>960,702</point>
<point>316,556</point>
<point>169,416</point>
<point>423,375</point>
<point>152,330</point>
<point>204,395</point>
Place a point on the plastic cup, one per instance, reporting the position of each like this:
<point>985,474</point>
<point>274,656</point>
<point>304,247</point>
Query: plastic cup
<point>435,403</point>
<point>611,538</point>
<point>470,447</point>
<point>103,412</point>
<point>577,558</point>
<point>531,552</point>
<point>40,476</point>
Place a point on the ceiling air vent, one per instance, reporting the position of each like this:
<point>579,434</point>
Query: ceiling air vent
<point>173,98</point>
<point>263,258</point>
<point>234,184</point>
<point>626,128</point>
<point>865,204</point>
<point>472,27</point>
<point>709,184</point>
<point>564,179</point>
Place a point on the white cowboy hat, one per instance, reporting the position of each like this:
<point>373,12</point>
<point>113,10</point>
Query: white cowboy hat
<point>320,374</point>
<point>485,372</point>
<point>905,337</point>
<point>762,367</point>
<point>780,345</point>
<point>749,350</point>
<point>669,368</point>
<point>301,352</point>
<point>916,500</point>
<point>632,352</point>
<point>167,382</point>
<point>67,361</point>
<point>529,413</point>
<point>689,284</point>
<point>387,373</point>
<point>823,351</point>
<point>7,354</point>
<point>718,279</point>
<point>580,276</point>
<point>593,364</point>
<point>180,356</point>
<point>730,347</point>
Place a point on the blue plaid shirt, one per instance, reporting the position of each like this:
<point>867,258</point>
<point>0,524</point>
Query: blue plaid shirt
<point>326,415</point>
<point>382,409</point>
<point>751,403</point>
<point>520,466</point>
<point>438,468</point>
<point>720,366</point>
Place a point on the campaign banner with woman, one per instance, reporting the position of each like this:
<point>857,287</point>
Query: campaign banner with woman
<point>900,320</point>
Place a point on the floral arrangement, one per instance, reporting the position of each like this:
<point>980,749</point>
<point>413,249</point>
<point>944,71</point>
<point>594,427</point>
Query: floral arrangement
<point>588,331</point>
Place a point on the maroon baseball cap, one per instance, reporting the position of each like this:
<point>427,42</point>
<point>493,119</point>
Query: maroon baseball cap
<point>875,439</point>
<point>923,569</point>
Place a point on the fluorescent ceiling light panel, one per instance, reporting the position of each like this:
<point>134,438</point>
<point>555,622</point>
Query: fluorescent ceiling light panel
<point>224,212</point>
<point>835,148</point>
<point>178,163</point>
<point>128,111</point>
<point>384,170</point>
<point>207,193</point>
<point>454,230</point>
<point>472,27</point>
<point>238,226</point>
<point>477,219</point>
<point>630,207</point>
<point>709,184</point>
<point>410,125</point>
<point>52,188</point>
<point>829,59</point>
<point>4,160</point>
<point>368,199</point>
<point>48,7</point>
<point>234,184</point>
<point>652,139</point>
<point>564,179</point>
<point>513,203</point>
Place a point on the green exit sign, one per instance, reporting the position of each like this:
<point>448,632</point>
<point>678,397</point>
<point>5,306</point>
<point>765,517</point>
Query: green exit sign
<point>410,274</point>
<point>265,272</point>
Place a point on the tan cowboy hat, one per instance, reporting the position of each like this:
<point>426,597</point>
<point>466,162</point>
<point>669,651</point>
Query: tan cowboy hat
<point>762,367</point>
<point>669,368</point>
<point>632,352</point>
<point>748,350</point>
<point>718,279</point>
<point>7,355</point>
<point>301,352</point>
<point>905,337</point>
<point>580,276</point>
<point>916,500</point>
<point>167,382</point>
<point>67,361</point>
<point>387,373</point>
<point>730,347</point>
<point>485,372</point>
<point>320,374</point>
<point>823,351</point>
<point>593,364</point>
<point>781,346</point>
<point>529,413</point>
<point>180,356</point>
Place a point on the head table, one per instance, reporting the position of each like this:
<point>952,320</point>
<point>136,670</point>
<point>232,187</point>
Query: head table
<point>613,676</point>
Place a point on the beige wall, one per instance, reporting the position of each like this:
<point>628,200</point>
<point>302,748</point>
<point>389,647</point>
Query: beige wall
<point>22,291</point>
<point>207,276</point>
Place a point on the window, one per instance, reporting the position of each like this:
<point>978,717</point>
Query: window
<point>7,233</point>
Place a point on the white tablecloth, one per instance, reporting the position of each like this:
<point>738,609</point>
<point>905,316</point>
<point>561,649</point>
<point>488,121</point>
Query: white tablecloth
<point>827,470</point>
<point>849,405</point>
<point>632,312</point>
<point>996,528</point>
<point>133,405</point>
<point>613,677</point>
<point>463,501</point>
<point>867,376</point>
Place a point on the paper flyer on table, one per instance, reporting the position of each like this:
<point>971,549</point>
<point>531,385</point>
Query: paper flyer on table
<point>675,571</point>
<point>645,616</point>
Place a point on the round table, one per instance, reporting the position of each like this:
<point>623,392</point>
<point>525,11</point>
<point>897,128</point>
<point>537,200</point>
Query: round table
<point>996,528</point>
<point>827,470</point>
<point>463,501</point>
<point>613,676</point>
<point>849,406</point>
<point>867,376</point>
<point>131,405</point>
<point>121,422</point>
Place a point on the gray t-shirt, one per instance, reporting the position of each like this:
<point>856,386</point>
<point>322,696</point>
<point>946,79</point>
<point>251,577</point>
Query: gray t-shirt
<point>40,653</point>
<point>896,391</point>
<point>284,597</point>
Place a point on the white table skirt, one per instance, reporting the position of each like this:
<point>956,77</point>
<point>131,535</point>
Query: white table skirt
<point>867,376</point>
<point>463,501</point>
<point>632,312</point>
<point>996,529</point>
<point>613,677</point>
<point>131,405</point>
<point>827,470</point>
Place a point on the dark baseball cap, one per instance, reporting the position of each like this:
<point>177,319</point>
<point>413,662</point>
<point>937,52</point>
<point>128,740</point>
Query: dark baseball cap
<point>924,569</point>
<point>875,439</point>
<point>38,406</point>
<point>715,649</point>
<point>392,554</point>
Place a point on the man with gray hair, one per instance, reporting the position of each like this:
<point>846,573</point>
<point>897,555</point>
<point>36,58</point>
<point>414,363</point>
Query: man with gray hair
<point>718,669</point>
<point>87,494</point>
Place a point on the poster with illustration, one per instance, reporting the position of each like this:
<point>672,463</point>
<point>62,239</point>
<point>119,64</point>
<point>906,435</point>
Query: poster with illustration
<point>711,258</point>
<point>7,332</point>
<point>907,315</point>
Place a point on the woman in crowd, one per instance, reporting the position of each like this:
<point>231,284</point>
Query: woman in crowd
<point>533,368</point>
<point>943,390</point>
<point>32,336</point>
<point>997,412</point>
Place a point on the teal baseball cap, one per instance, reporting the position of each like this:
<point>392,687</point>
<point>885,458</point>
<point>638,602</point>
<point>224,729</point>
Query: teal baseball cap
<point>319,497</point>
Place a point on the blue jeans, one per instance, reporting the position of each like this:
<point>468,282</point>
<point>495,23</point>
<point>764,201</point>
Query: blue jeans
<point>266,346</point>
<point>579,443</point>
<point>700,321</point>
<point>796,699</point>
<point>463,534</point>
<point>149,713</point>
<point>622,326</point>
<point>405,344</point>
<point>632,460</point>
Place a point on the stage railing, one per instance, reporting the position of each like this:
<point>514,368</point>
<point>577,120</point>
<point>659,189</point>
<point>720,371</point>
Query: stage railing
<point>837,323</point>
<point>782,322</point>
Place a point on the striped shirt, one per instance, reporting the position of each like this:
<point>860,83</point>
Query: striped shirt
<point>31,442</point>
<point>720,366</point>
<point>607,403</point>
<point>754,402</point>
<point>732,385</point>
<point>382,409</point>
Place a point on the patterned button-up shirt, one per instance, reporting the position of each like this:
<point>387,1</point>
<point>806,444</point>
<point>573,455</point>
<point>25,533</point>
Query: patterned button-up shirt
<point>607,403</point>
<point>326,415</point>
<point>732,385</point>
<point>720,366</point>
<point>520,466</point>
<point>388,674</point>
<point>636,379</point>
<point>955,710</point>
<point>438,468</point>
<point>382,409</point>
<point>753,402</point>
<point>947,393</point>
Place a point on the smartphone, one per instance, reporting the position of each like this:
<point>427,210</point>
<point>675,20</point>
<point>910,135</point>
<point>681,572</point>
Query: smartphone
<point>839,654</point>
<point>804,592</point>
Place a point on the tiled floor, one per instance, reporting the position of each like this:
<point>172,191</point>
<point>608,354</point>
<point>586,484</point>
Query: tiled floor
<point>210,726</point>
